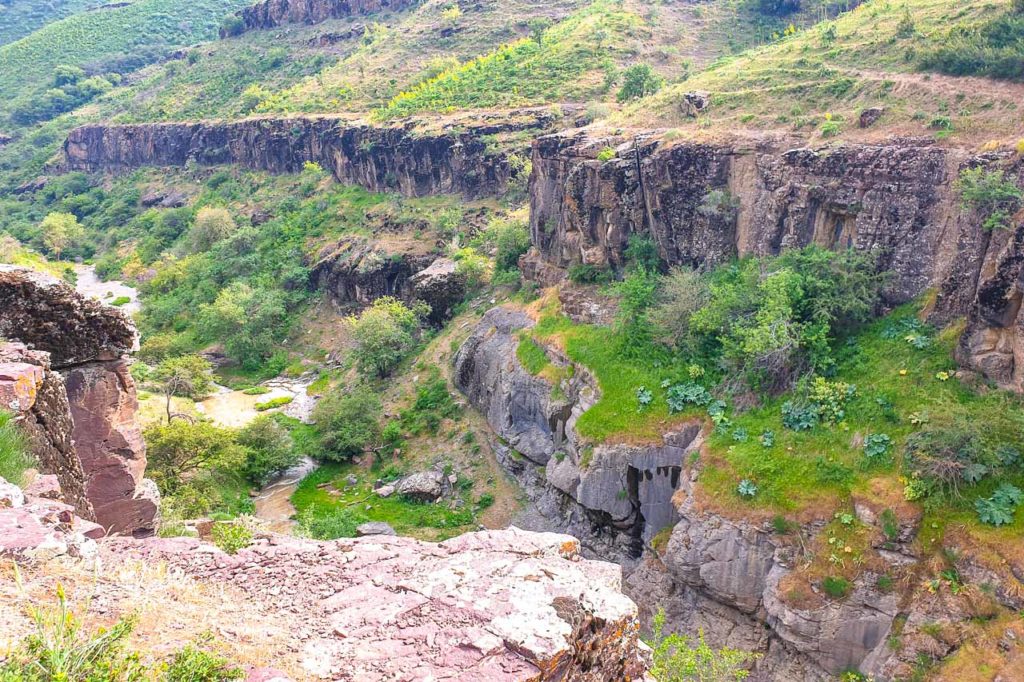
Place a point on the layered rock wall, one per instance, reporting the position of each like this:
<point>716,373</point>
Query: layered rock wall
<point>79,413</point>
<point>703,204</point>
<point>379,159</point>
<point>273,13</point>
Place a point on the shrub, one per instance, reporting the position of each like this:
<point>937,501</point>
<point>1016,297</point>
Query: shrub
<point>61,649</point>
<point>232,26</point>
<point>636,295</point>
<point>120,301</point>
<point>269,449</point>
<point>230,536</point>
<point>990,194</point>
<point>211,225</point>
<point>187,376</point>
<point>676,658</point>
<point>511,239</point>
<point>485,501</point>
<point>639,80</point>
<point>256,390</point>
<point>798,416</point>
<point>998,510</point>
<point>15,458</point>
<point>837,588</point>
<point>346,423</point>
<point>877,445</point>
<point>994,48</point>
<point>192,664</point>
<point>606,154</point>
<point>642,252</point>
<point>384,333</point>
<point>181,448</point>
<point>586,273</point>
<point>682,293</point>
<point>944,457</point>
<point>690,393</point>
<point>250,322</point>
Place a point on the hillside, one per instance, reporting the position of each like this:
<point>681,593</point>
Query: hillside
<point>22,17</point>
<point>729,291</point>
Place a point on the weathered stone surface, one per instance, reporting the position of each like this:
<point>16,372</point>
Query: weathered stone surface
<point>109,443</point>
<point>36,529</point>
<point>272,13</point>
<point>426,486</point>
<point>374,528</point>
<point>10,495</point>
<point>82,425</point>
<point>356,272</point>
<point>36,395</point>
<point>870,116</point>
<point>441,286</point>
<point>490,606</point>
<point>47,314</point>
<point>380,159</point>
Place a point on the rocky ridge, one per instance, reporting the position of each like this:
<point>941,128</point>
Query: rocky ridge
<point>408,159</point>
<point>640,506</point>
<point>65,377</point>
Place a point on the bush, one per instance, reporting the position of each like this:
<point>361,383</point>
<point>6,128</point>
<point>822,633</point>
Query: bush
<point>346,423</point>
<point>994,49</point>
<point>249,321</point>
<point>682,293</point>
<point>636,295</point>
<point>586,273</point>
<point>642,252</point>
<point>639,80</point>
<point>676,658</point>
<point>945,458</point>
<point>384,333</point>
<point>181,448</point>
<point>211,225</point>
<point>192,664</point>
<point>230,536</point>
<point>232,26</point>
<point>269,449</point>
<point>510,239</point>
<point>991,195</point>
<point>15,458</point>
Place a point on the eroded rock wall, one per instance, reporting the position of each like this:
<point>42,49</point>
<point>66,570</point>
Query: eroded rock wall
<point>273,13</point>
<point>703,204</point>
<point>641,506</point>
<point>67,380</point>
<point>379,159</point>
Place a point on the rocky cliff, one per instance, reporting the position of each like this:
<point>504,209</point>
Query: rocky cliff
<point>703,204</point>
<point>272,13</point>
<point>456,159</point>
<point>67,381</point>
<point>742,582</point>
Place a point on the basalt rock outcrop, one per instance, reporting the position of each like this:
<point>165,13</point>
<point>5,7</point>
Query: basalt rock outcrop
<point>67,381</point>
<point>641,506</point>
<point>489,606</point>
<point>273,13</point>
<point>705,203</point>
<point>404,159</point>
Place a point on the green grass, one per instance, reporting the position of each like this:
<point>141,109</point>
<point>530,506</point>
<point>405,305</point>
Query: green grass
<point>531,356</point>
<point>15,458</point>
<point>274,403</point>
<point>328,516</point>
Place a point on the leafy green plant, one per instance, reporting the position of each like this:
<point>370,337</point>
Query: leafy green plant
<point>193,664</point>
<point>682,395</point>
<point>747,489</point>
<point>606,154</point>
<point>991,194</point>
<point>346,423</point>
<point>877,445</point>
<point>273,403</point>
<point>639,80</point>
<point>767,438</point>
<point>799,416</point>
<point>230,536</point>
<point>679,659</point>
<point>644,397</point>
<point>256,390</point>
<point>999,509</point>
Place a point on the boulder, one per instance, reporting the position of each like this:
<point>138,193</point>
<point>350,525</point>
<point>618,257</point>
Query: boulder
<point>694,103</point>
<point>441,286</point>
<point>374,528</point>
<point>870,116</point>
<point>426,486</point>
<point>11,495</point>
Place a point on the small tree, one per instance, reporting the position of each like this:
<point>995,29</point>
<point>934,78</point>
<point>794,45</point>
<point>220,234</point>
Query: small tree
<point>347,423</point>
<point>639,80</point>
<point>269,449</point>
<point>680,659</point>
<point>185,375</point>
<point>180,448</point>
<point>637,295</point>
<point>211,225</point>
<point>538,25</point>
<point>682,294</point>
<point>60,230</point>
<point>384,333</point>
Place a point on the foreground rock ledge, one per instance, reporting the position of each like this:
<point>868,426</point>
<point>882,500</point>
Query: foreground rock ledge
<point>495,606</point>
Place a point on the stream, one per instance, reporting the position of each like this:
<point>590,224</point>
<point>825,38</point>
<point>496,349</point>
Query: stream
<point>233,409</point>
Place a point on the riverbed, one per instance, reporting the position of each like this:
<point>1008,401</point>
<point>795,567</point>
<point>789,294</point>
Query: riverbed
<point>88,283</point>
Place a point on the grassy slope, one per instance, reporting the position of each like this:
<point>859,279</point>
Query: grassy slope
<point>92,38</point>
<point>792,84</point>
<point>18,18</point>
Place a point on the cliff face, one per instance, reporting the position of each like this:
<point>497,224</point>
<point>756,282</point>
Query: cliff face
<point>728,578</point>
<point>79,414</point>
<point>272,13</point>
<point>703,204</point>
<point>380,159</point>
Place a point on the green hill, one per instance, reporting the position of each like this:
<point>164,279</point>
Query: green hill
<point>18,18</point>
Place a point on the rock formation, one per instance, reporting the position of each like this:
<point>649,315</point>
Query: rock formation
<point>456,160</point>
<point>37,528</point>
<point>273,13</point>
<point>639,505</point>
<point>489,606</point>
<point>67,381</point>
<point>703,204</point>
